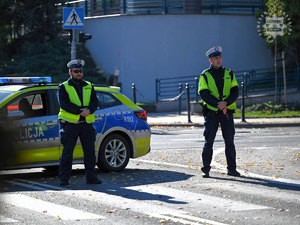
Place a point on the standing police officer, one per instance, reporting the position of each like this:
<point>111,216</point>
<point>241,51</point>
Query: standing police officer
<point>78,102</point>
<point>219,91</point>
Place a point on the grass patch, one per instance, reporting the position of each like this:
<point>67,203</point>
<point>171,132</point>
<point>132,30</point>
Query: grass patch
<point>268,110</point>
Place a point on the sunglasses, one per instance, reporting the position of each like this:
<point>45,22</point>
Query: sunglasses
<point>77,71</point>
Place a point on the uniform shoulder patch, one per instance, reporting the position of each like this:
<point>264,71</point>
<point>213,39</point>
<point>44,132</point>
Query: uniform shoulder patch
<point>203,72</point>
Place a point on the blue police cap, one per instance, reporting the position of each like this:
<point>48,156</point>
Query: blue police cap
<point>76,63</point>
<point>215,51</point>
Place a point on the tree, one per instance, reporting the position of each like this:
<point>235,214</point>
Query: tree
<point>32,44</point>
<point>289,43</point>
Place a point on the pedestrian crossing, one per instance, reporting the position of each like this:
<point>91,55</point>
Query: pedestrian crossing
<point>155,201</point>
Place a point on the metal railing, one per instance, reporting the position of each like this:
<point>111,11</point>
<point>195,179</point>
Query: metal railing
<point>168,87</point>
<point>258,81</point>
<point>110,7</point>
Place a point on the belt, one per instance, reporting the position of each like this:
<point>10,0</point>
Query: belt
<point>78,122</point>
<point>81,121</point>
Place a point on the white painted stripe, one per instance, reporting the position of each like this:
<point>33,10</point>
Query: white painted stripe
<point>265,192</point>
<point>176,218</point>
<point>30,184</point>
<point>141,206</point>
<point>161,163</point>
<point>187,197</point>
<point>222,169</point>
<point>4,219</point>
<point>200,220</point>
<point>26,185</point>
<point>47,208</point>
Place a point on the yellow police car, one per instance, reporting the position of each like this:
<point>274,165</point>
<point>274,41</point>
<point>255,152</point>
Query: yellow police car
<point>30,105</point>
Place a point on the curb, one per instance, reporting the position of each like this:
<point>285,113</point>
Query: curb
<point>236,125</point>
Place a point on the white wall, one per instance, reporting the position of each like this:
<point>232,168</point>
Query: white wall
<point>146,47</point>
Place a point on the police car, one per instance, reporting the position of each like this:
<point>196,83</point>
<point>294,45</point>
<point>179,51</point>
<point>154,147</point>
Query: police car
<point>30,104</point>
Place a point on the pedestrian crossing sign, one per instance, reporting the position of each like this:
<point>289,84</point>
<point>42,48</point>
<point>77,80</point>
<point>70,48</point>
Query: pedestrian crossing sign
<point>73,18</point>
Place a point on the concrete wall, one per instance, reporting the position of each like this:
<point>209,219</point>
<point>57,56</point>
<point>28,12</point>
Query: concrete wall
<point>146,47</point>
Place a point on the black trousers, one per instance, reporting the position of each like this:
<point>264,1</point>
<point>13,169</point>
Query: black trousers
<point>69,136</point>
<point>211,125</point>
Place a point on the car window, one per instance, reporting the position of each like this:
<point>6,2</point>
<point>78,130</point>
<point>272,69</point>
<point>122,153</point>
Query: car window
<point>31,105</point>
<point>106,100</point>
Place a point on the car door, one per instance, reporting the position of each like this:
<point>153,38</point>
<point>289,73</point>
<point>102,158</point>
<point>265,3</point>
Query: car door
<point>36,132</point>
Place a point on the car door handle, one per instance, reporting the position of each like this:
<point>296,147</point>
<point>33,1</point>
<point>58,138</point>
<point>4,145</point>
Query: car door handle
<point>98,118</point>
<point>51,123</point>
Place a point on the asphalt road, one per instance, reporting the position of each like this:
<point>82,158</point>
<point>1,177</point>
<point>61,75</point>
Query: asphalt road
<point>166,186</point>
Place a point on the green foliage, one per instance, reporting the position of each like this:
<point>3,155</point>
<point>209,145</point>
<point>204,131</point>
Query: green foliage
<point>270,110</point>
<point>290,43</point>
<point>31,42</point>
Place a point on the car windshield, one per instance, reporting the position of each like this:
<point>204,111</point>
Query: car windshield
<point>4,94</point>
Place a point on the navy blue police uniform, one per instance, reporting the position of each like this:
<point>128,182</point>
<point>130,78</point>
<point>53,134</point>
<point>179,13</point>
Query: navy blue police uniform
<point>215,117</point>
<point>71,131</point>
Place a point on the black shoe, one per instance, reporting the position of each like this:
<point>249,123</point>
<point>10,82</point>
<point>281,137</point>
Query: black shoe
<point>205,174</point>
<point>64,183</point>
<point>233,173</point>
<point>94,181</point>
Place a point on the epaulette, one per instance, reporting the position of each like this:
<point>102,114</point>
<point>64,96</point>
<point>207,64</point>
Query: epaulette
<point>204,75</point>
<point>204,71</point>
<point>230,72</point>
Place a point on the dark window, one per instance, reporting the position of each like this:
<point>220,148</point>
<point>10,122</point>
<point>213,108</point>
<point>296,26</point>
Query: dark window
<point>106,100</point>
<point>31,105</point>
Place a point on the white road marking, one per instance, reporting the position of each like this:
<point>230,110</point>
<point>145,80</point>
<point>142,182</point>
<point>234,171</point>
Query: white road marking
<point>217,167</point>
<point>30,184</point>
<point>145,207</point>
<point>264,192</point>
<point>187,197</point>
<point>47,208</point>
<point>4,219</point>
<point>107,199</point>
<point>177,218</point>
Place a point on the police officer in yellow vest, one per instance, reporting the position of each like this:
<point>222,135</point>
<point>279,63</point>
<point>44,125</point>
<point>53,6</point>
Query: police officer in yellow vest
<point>78,102</point>
<point>219,91</point>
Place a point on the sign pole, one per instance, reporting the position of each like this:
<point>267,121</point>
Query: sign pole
<point>284,79</point>
<point>73,48</point>
<point>276,86</point>
<point>73,18</point>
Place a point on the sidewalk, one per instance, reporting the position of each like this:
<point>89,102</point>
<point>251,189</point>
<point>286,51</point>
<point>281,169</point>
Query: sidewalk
<point>174,119</point>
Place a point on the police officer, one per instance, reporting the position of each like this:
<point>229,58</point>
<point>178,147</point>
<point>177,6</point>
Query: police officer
<point>78,102</point>
<point>219,91</point>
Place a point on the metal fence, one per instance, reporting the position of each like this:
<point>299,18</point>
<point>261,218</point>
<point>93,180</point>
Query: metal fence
<point>109,7</point>
<point>258,81</point>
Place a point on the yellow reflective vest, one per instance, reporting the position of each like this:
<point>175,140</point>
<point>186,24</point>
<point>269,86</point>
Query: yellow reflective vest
<point>73,118</point>
<point>210,84</point>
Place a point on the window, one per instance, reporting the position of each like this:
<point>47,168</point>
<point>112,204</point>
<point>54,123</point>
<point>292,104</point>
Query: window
<point>31,105</point>
<point>106,100</point>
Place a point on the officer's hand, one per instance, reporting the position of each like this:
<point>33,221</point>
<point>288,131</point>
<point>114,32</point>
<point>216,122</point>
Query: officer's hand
<point>85,112</point>
<point>224,111</point>
<point>222,105</point>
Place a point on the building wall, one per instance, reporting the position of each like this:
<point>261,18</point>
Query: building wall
<point>146,47</point>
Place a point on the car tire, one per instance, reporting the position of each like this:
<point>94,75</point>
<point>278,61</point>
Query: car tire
<point>113,154</point>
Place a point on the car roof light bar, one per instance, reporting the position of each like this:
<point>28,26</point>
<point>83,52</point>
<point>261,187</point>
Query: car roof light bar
<point>24,80</point>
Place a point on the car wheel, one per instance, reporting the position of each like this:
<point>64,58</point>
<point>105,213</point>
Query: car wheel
<point>113,154</point>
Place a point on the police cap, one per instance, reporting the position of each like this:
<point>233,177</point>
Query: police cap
<point>76,63</point>
<point>215,51</point>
